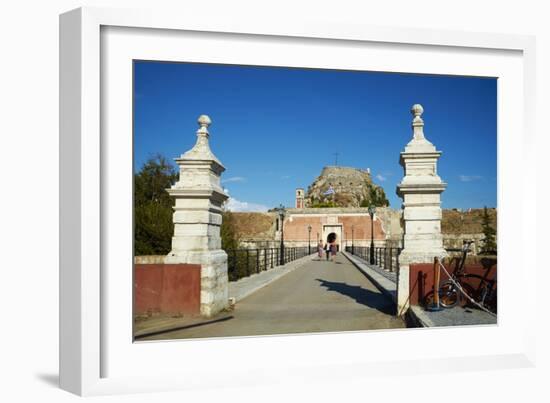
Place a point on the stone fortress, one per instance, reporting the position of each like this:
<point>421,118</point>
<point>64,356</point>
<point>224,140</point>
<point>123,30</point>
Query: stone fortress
<point>350,222</point>
<point>344,212</point>
<point>352,187</point>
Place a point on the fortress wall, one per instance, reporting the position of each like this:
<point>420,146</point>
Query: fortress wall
<point>257,230</point>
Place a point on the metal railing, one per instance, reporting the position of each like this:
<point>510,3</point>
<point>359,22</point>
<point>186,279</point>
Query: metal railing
<point>386,258</point>
<point>245,262</point>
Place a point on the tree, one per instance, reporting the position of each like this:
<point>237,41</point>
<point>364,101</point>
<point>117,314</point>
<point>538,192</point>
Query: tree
<point>153,227</point>
<point>489,242</point>
<point>237,258</point>
<point>322,204</point>
<point>156,175</point>
<point>377,198</point>
<point>228,232</point>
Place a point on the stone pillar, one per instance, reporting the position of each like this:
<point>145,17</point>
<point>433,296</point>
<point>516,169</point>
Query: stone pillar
<point>197,219</point>
<point>420,190</point>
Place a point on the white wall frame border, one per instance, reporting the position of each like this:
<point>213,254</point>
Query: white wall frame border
<point>80,189</point>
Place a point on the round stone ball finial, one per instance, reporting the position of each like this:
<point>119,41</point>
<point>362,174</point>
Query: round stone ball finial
<point>204,121</point>
<point>417,110</point>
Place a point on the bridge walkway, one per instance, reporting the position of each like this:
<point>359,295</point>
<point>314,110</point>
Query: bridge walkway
<point>320,296</point>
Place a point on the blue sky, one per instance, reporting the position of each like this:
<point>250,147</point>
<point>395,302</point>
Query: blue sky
<point>275,128</point>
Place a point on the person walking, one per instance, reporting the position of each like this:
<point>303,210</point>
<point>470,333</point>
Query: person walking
<point>333,250</point>
<point>320,249</point>
<point>327,250</point>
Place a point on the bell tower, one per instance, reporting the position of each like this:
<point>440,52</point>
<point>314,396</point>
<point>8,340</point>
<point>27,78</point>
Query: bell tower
<point>300,198</point>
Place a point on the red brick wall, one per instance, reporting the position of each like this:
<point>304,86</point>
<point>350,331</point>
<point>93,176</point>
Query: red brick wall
<point>167,288</point>
<point>421,278</point>
<point>296,230</point>
<point>361,227</point>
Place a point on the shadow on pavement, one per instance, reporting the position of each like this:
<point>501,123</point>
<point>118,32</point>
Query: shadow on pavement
<point>361,295</point>
<point>173,329</point>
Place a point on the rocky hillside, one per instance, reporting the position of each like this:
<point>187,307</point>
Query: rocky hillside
<point>253,225</point>
<point>353,188</point>
<point>466,222</point>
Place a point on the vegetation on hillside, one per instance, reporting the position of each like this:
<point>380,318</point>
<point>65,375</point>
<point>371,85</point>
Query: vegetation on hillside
<point>466,222</point>
<point>377,198</point>
<point>228,231</point>
<point>322,204</point>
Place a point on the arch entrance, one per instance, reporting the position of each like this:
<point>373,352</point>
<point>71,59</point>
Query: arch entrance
<point>333,232</point>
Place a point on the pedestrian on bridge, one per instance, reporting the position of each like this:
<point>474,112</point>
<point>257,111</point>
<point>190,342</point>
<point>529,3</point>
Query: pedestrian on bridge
<point>320,249</point>
<point>326,248</point>
<point>333,250</point>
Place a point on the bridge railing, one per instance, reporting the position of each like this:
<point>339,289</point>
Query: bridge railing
<point>245,262</point>
<point>386,258</point>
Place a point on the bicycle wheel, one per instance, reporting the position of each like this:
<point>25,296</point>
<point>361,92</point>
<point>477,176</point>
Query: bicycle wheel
<point>429,299</point>
<point>491,302</point>
<point>448,295</point>
<point>470,291</point>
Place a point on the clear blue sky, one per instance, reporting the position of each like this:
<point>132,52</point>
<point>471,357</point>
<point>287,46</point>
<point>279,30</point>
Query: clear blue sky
<point>275,128</point>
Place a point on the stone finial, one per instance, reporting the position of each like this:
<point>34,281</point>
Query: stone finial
<point>418,124</point>
<point>201,150</point>
<point>417,110</point>
<point>204,121</point>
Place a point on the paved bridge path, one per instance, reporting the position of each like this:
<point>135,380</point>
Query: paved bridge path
<point>320,296</point>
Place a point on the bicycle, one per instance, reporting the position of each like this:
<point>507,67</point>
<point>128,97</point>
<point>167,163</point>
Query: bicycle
<point>458,288</point>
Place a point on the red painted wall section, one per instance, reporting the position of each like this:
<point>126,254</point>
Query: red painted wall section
<point>167,288</point>
<point>421,276</point>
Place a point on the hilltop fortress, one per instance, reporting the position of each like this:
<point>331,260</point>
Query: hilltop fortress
<point>345,213</point>
<point>352,187</point>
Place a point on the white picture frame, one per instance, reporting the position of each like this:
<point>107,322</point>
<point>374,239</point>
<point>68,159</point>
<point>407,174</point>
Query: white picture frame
<point>87,345</point>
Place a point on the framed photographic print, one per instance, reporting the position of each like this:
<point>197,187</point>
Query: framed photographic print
<point>321,200</point>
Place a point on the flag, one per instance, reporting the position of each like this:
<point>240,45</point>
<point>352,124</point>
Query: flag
<point>329,191</point>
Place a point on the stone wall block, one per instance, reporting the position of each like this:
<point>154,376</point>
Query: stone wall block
<point>196,216</point>
<point>192,202</point>
<point>197,229</point>
<point>423,213</point>
<point>427,226</point>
